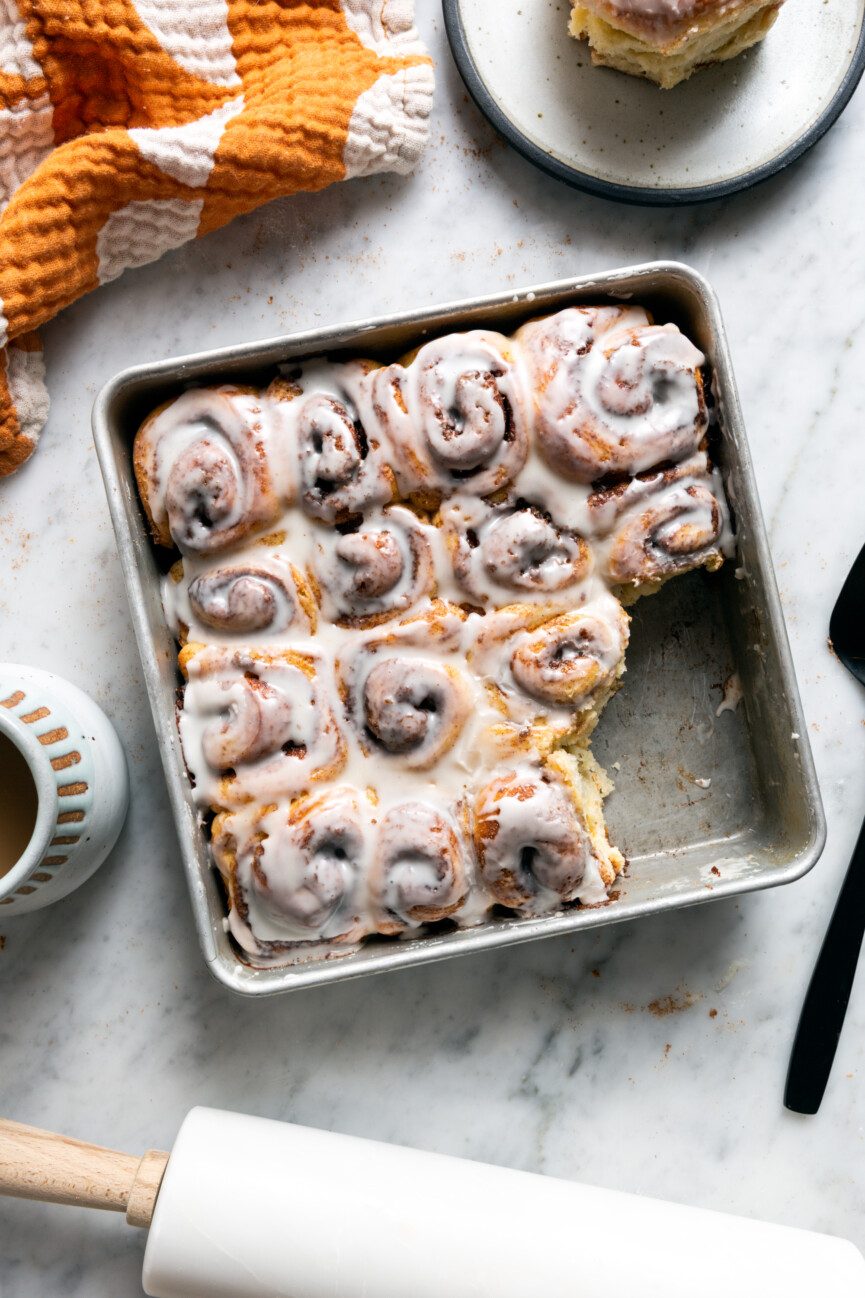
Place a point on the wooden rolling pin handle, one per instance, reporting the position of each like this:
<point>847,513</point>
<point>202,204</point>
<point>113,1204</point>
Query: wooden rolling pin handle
<point>40,1165</point>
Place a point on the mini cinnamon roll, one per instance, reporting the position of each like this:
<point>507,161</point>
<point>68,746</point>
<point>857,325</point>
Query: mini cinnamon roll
<point>573,658</point>
<point>668,523</point>
<point>204,469</point>
<point>342,470</point>
<point>418,872</point>
<point>295,878</point>
<point>566,661</point>
<point>405,702</point>
<point>613,393</point>
<point>246,598</point>
<point>454,415</point>
<point>376,572</point>
<point>262,593</point>
<point>256,725</point>
<point>512,551</point>
<point>531,845</point>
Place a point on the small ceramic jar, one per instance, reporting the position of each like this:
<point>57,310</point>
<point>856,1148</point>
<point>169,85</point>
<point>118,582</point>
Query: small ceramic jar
<point>82,788</point>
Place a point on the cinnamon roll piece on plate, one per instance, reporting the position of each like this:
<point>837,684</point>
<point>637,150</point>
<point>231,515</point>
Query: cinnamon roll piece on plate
<point>668,40</point>
<point>729,128</point>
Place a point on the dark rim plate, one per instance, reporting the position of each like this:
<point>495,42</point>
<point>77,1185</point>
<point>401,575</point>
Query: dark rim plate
<point>498,115</point>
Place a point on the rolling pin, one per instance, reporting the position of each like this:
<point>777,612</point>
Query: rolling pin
<point>249,1208</point>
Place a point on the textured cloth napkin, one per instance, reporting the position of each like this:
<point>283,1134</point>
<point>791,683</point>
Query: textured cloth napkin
<point>130,126</point>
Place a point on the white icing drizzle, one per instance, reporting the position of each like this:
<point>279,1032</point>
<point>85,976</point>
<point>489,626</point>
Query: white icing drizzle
<point>259,591</point>
<point>208,468</point>
<point>509,552</point>
<point>614,393</point>
<point>382,661</point>
<point>257,726</point>
<point>667,522</point>
<point>454,416</point>
<point>533,849</point>
<point>341,471</point>
<point>381,569</point>
<point>653,16</point>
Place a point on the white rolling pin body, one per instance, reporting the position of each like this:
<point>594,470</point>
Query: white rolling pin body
<point>251,1208</point>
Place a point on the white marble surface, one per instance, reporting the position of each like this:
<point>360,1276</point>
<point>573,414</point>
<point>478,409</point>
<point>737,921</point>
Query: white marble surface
<point>546,1056</point>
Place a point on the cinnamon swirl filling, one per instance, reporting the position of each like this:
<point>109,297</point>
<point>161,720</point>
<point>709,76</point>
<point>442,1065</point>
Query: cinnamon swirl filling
<point>249,597</point>
<point>570,659</point>
<point>255,726</point>
<point>454,414</point>
<point>341,470</point>
<point>661,523</point>
<point>531,846</point>
<point>614,394</point>
<point>376,572</point>
<point>418,874</point>
<point>517,550</point>
<point>413,709</point>
<point>298,878</point>
<point>203,470</point>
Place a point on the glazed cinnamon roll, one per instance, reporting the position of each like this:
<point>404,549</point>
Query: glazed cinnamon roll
<point>404,701</point>
<point>263,593</point>
<point>512,551</point>
<point>342,470</point>
<point>418,873</point>
<point>562,661</point>
<point>298,877</point>
<point>453,414</point>
<point>403,585</point>
<point>377,571</point>
<point>531,845</point>
<point>614,394</point>
<point>572,658</point>
<point>256,725</point>
<point>663,523</point>
<point>205,471</point>
<point>668,40</point>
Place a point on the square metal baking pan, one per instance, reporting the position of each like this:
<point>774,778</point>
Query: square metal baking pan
<point>706,805</point>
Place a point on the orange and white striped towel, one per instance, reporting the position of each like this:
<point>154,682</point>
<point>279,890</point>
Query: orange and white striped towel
<point>130,126</point>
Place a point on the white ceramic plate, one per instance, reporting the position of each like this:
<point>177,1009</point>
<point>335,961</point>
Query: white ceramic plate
<point>726,128</point>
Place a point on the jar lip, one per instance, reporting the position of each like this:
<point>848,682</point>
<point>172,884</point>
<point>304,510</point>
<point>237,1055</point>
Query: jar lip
<point>21,735</point>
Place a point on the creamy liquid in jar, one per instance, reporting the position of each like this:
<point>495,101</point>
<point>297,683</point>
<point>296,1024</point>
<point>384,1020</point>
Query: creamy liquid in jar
<point>19,804</point>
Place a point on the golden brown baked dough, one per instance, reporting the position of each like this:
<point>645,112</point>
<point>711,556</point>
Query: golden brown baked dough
<point>668,40</point>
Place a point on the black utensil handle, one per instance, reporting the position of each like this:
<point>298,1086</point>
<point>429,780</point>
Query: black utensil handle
<point>822,1016</point>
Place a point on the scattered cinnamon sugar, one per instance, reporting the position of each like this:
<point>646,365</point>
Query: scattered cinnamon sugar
<point>713,1014</point>
<point>714,870</point>
<point>676,1003</point>
<point>596,973</point>
<point>672,1004</point>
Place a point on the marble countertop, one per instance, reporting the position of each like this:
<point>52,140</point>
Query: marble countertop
<point>648,1057</point>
